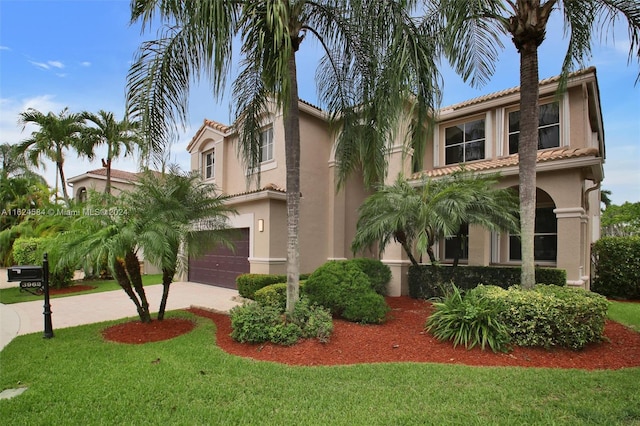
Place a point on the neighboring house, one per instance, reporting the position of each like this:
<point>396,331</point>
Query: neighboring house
<point>481,133</point>
<point>96,180</point>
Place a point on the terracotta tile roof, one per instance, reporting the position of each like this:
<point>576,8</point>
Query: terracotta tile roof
<point>511,160</point>
<point>217,126</point>
<point>115,173</point>
<point>514,90</point>
<point>267,187</point>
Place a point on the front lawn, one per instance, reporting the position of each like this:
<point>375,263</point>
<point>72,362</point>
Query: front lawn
<point>77,378</point>
<point>14,295</point>
<point>627,313</point>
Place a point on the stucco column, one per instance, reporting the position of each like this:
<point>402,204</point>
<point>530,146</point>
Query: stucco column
<point>479,246</point>
<point>337,226</point>
<point>394,256</point>
<point>570,256</point>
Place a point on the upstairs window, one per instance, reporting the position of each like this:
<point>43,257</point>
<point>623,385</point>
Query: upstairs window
<point>548,128</point>
<point>464,142</point>
<point>266,145</point>
<point>208,164</point>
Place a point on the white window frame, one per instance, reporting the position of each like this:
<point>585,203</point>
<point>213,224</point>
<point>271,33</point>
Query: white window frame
<point>562,137</point>
<point>209,169</point>
<point>464,143</point>
<point>266,143</point>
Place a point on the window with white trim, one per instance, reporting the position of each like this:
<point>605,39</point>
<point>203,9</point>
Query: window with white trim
<point>208,164</point>
<point>465,142</point>
<point>548,127</point>
<point>266,145</point>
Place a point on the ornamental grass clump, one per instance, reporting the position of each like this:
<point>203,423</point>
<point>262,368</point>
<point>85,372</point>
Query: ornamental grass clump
<point>471,320</point>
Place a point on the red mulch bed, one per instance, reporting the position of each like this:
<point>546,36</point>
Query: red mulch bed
<point>70,289</point>
<point>403,339</point>
<point>136,332</point>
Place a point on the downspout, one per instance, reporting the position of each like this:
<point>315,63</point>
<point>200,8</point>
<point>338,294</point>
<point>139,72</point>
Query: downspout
<point>586,194</point>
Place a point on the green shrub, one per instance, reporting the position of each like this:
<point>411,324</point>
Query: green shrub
<point>30,251</point>
<point>257,323</point>
<point>25,251</point>
<point>471,320</point>
<point>285,333</point>
<point>252,322</point>
<point>315,321</point>
<point>338,285</point>
<point>550,315</point>
<point>367,308</point>
<point>427,281</point>
<point>248,284</point>
<point>617,267</point>
<point>379,274</point>
<point>275,294</point>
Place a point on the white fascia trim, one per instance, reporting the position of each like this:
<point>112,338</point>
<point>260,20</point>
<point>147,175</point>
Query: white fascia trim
<point>257,196</point>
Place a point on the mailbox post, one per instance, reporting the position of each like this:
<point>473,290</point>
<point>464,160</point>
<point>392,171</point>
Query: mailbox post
<point>35,277</point>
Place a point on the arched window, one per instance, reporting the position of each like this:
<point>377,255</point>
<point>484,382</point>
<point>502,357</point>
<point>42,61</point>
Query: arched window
<point>545,247</point>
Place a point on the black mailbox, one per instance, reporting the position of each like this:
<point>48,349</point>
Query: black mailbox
<point>25,273</point>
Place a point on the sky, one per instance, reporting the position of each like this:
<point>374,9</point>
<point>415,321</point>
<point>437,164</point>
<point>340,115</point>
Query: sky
<point>77,53</point>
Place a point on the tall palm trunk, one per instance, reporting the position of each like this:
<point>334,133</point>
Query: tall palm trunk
<point>63,182</point>
<point>528,149</point>
<point>167,278</point>
<point>121,277</point>
<point>132,263</point>
<point>292,150</point>
<point>107,188</point>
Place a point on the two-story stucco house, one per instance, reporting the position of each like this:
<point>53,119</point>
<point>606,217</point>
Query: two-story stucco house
<point>481,133</point>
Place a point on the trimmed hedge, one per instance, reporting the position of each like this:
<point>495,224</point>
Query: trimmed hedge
<point>248,284</point>
<point>379,274</point>
<point>346,291</point>
<point>617,267</point>
<point>427,281</point>
<point>549,315</point>
<point>275,295</point>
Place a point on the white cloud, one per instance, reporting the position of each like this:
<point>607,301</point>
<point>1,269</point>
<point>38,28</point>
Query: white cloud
<point>85,64</point>
<point>5,48</point>
<point>40,65</point>
<point>56,64</point>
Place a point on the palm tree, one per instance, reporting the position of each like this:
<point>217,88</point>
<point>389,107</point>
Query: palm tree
<point>472,34</point>
<point>173,210</point>
<point>118,136</point>
<point>357,37</point>
<point>92,238</point>
<point>417,217</point>
<point>56,133</point>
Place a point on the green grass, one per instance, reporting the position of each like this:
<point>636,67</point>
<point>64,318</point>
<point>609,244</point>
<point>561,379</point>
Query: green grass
<point>77,378</point>
<point>627,313</point>
<point>14,295</point>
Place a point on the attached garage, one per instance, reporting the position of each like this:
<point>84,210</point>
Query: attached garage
<point>222,265</point>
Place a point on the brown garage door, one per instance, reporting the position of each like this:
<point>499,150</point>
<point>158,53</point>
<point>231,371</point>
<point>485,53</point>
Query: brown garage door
<point>221,266</point>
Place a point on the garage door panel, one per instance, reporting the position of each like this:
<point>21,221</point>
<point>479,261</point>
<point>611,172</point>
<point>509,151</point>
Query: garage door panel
<point>222,265</point>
